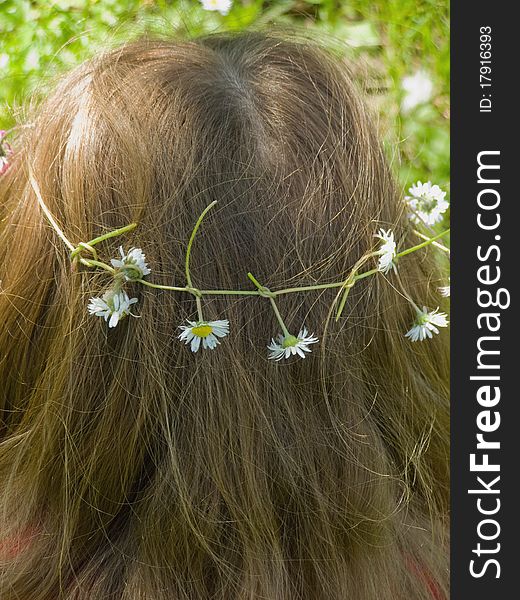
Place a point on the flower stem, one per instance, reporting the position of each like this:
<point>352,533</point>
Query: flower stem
<point>230,293</point>
<point>47,212</point>
<point>188,254</point>
<point>348,284</point>
<point>279,317</point>
<point>405,293</point>
<point>96,263</point>
<point>307,288</point>
<point>366,274</point>
<point>157,286</point>
<point>111,234</point>
<point>261,288</point>
<point>190,243</point>
<point>436,244</point>
<point>199,308</point>
<point>266,292</point>
<point>424,244</point>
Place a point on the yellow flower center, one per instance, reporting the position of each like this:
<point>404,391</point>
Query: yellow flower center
<point>289,341</point>
<point>202,330</point>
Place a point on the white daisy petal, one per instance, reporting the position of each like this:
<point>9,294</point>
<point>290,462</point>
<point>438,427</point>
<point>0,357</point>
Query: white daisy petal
<point>220,328</point>
<point>445,290</point>
<point>114,319</point>
<point>195,343</point>
<point>388,250</point>
<point>210,342</point>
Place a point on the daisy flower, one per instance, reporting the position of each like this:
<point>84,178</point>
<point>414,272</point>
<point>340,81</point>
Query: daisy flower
<point>445,290</point>
<point>290,345</point>
<point>5,151</point>
<point>133,265</point>
<point>418,89</point>
<point>387,252</point>
<point>112,306</point>
<point>426,324</point>
<point>222,6</point>
<point>427,203</point>
<point>206,332</point>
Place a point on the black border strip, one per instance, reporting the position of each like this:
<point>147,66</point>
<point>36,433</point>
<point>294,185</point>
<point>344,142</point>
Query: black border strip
<point>474,132</point>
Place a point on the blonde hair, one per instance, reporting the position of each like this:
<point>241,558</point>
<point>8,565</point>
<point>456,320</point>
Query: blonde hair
<point>143,471</point>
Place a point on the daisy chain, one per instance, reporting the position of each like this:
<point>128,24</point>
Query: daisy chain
<point>114,305</point>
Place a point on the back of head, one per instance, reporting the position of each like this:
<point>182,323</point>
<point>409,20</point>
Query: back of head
<point>133,468</point>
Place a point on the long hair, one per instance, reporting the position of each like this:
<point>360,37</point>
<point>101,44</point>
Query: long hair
<point>132,468</point>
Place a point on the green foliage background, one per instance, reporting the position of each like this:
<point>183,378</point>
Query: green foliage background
<point>389,39</point>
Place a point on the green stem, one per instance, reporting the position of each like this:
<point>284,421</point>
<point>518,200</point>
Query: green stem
<point>307,288</point>
<point>366,274</point>
<point>111,234</point>
<point>279,317</point>
<point>188,254</point>
<point>172,288</point>
<point>47,212</point>
<point>230,293</point>
<point>96,263</point>
<point>264,291</point>
<point>75,249</point>
<point>157,286</point>
<point>83,246</point>
<point>261,288</point>
<point>436,244</point>
<point>190,243</point>
<point>90,245</point>
<point>348,284</point>
<point>199,308</point>
<point>423,245</point>
<point>405,293</point>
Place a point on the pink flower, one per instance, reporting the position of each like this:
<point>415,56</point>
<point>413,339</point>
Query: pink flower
<point>5,152</point>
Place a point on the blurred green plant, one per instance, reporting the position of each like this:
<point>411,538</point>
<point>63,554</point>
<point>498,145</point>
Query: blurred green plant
<point>388,41</point>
